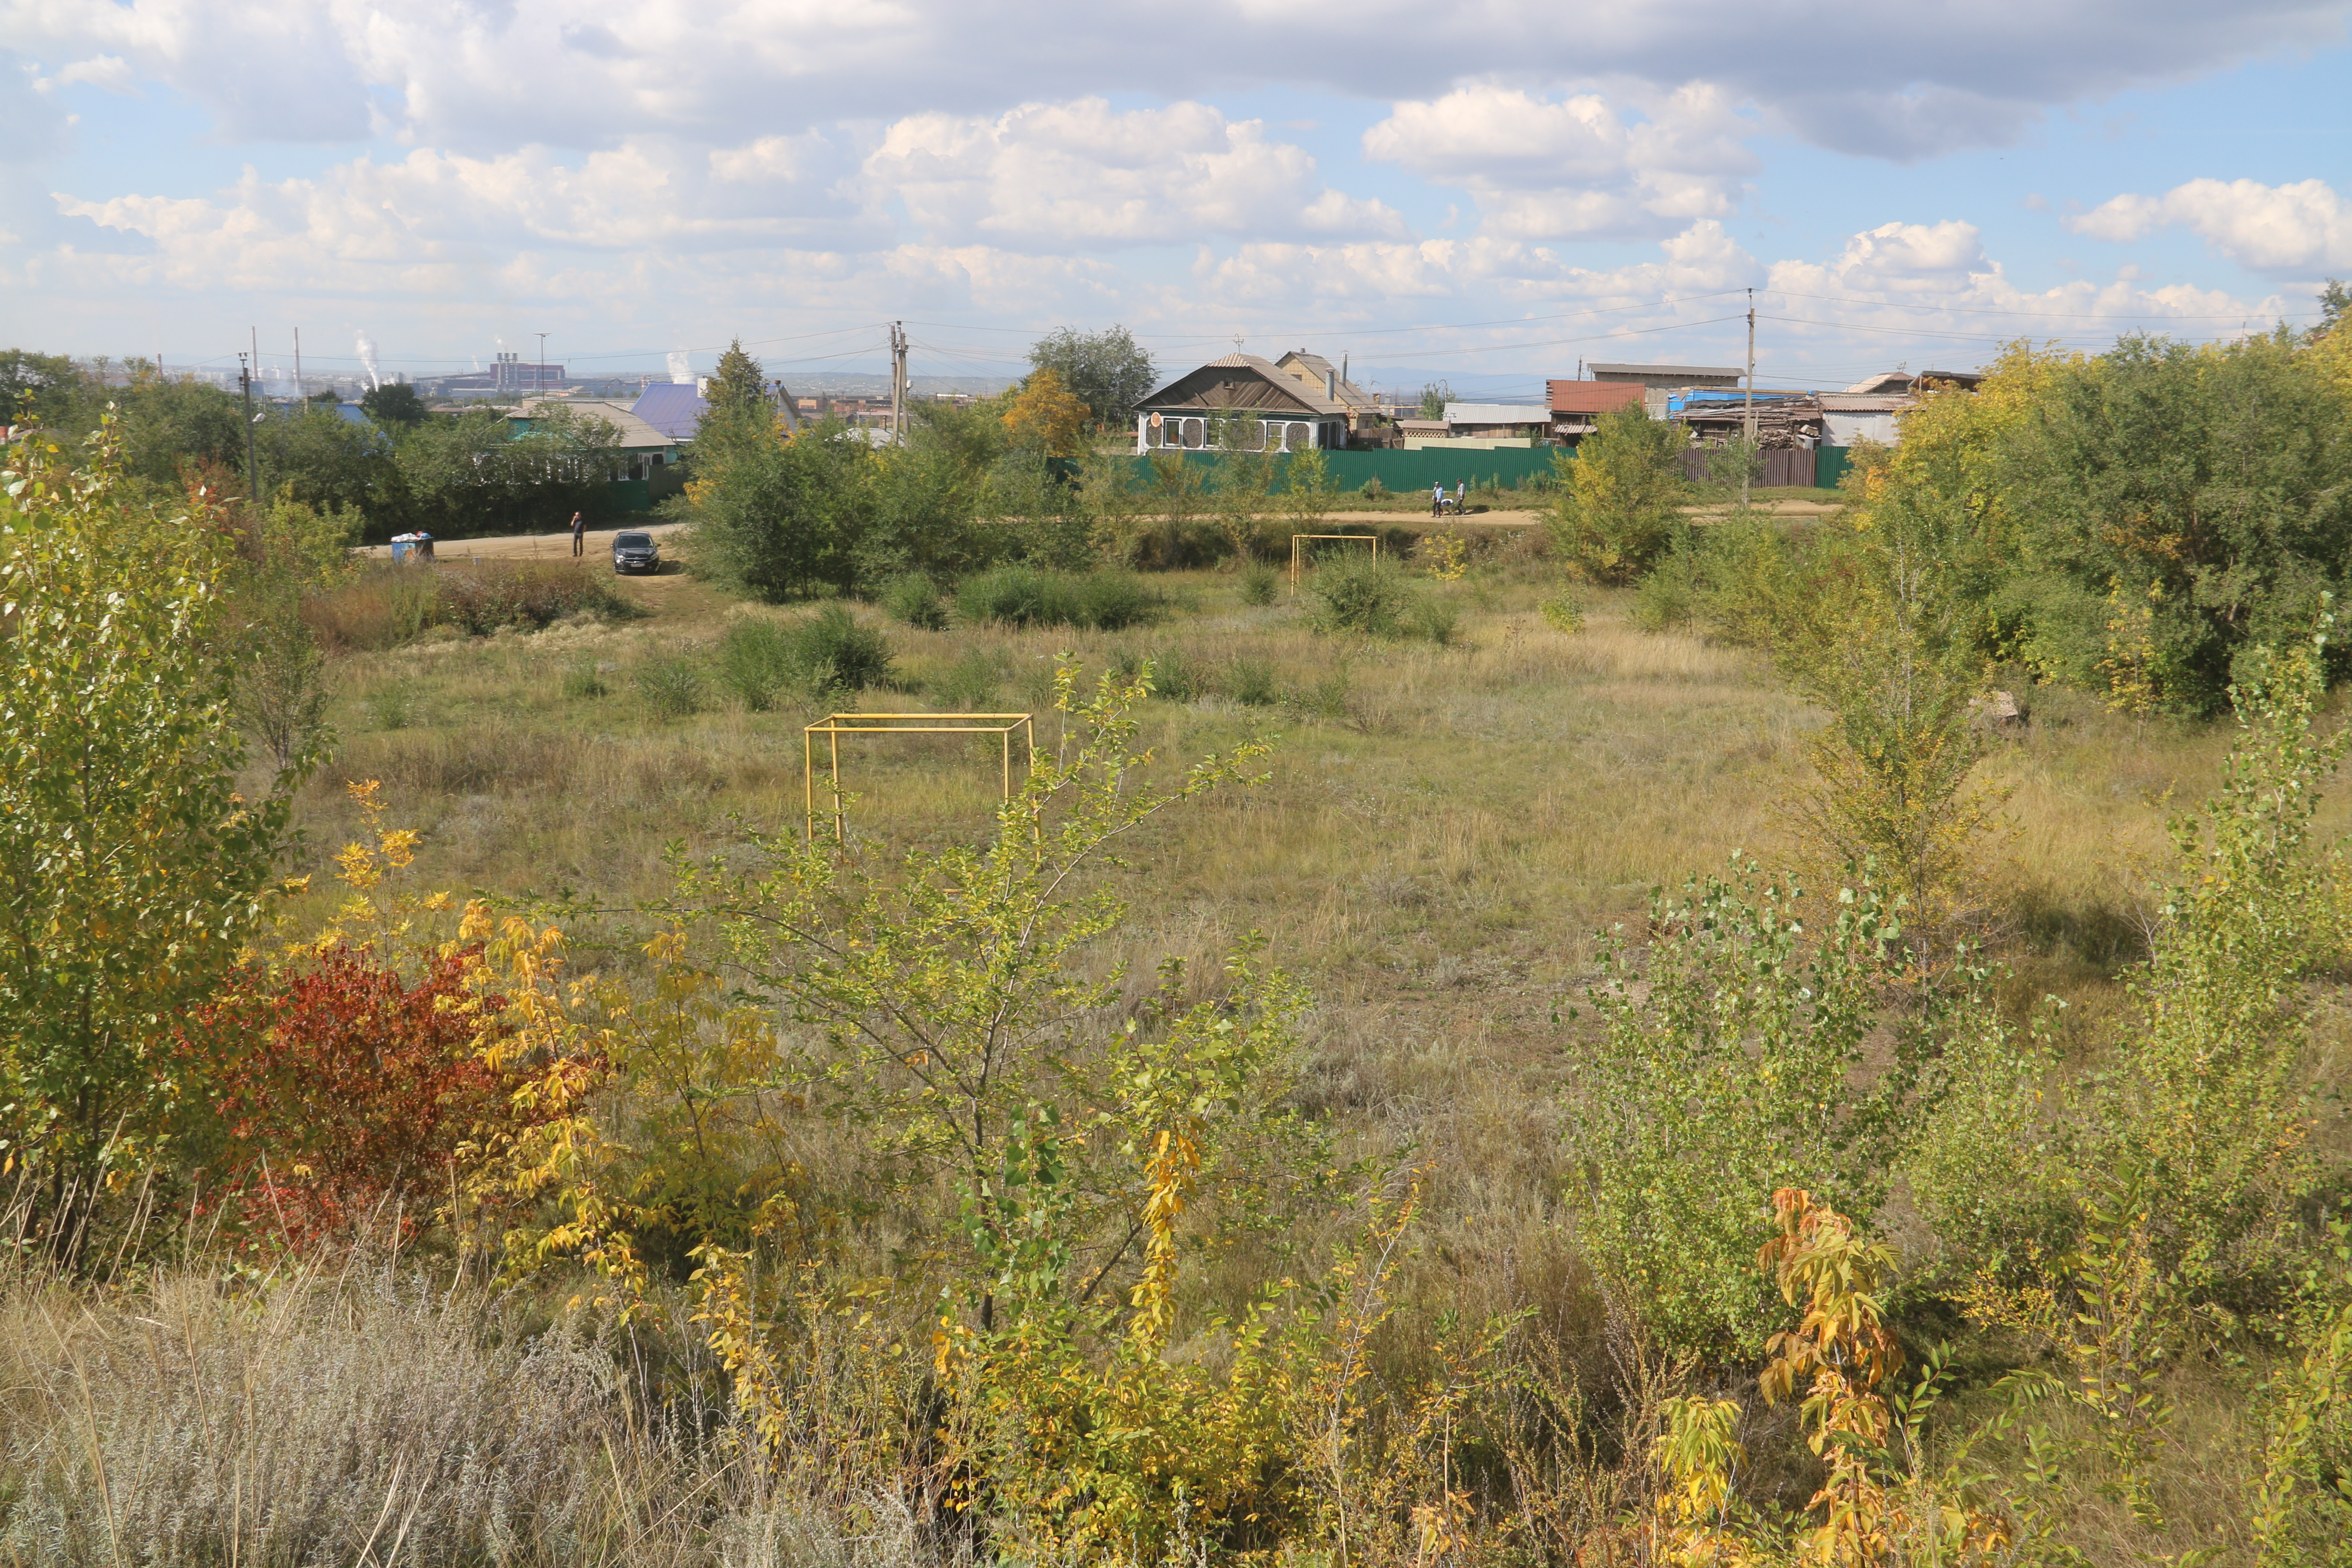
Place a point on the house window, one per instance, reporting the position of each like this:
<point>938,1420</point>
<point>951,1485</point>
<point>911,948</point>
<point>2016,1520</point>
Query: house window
<point>1196,433</point>
<point>1297,437</point>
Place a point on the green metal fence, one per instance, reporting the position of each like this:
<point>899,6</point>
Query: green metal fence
<point>1508,468</point>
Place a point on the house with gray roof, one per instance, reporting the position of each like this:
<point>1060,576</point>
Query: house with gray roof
<point>1241,403</point>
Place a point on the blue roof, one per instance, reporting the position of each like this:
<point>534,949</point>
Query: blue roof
<point>672,409</point>
<point>353,413</point>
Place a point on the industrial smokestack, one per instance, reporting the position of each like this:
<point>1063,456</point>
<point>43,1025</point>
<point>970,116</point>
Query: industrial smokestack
<point>367,360</point>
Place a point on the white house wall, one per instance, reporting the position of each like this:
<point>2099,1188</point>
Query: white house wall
<point>1845,429</point>
<point>1190,433</point>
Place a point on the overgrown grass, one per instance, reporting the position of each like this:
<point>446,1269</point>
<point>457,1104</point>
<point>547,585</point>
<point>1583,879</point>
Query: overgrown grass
<point>386,606</point>
<point>1442,831</point>
<point>1025,596</point>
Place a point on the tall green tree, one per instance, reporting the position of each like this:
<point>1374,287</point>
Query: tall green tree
<point>738,384</point>
<point>2175,506</point>
<point>131,870</point>
<point>393,403</point>
<point>1107,370</point>
<point>50,380</point>
<point>478,473</point>
<point>329,463</point>
<point>1621,499</point>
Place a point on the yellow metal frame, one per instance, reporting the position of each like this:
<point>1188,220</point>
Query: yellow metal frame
<point>1296,539</point>
<point>834,726</point>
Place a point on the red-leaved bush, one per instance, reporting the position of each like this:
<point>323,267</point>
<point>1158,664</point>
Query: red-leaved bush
<point>346,1094</point>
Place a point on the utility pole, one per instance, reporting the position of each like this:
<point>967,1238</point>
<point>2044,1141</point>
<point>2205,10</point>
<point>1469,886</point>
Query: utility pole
<point>538,371</point>
<point>252,469</point>
<point>1747,416</point>
<point>899,383</point>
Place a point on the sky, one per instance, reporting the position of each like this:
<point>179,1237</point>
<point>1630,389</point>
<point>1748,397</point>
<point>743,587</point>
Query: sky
<point>1490,194</point>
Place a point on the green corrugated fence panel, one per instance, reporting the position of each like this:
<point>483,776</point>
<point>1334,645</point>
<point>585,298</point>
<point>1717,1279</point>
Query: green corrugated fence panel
<point>629,495</point>
<point>1399,471</point>
<point>1829,466</point>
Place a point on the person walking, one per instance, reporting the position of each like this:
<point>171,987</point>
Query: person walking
<point>1437,499</point>
<point>1461,498</point>
<point>579,536</point>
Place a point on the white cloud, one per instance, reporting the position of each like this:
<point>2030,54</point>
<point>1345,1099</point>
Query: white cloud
<point>1908,81</point>
<point>1053,177</point>
<point>2295,230</point>
<point>1542,169</point>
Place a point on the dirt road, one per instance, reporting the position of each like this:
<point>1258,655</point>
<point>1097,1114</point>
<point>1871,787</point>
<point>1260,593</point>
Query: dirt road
<point>598,547</point>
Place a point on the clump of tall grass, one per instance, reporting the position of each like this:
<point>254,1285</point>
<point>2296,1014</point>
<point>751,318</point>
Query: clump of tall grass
<point>760,660</point>
<point>670,687</point>
<point>1025,596</point>
<point>325,1415</point>
<point>1259,582</point>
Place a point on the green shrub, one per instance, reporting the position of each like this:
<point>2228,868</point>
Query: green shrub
<point>1113,601</point>
<point>1562,612</point>
<point>1174,678</point>
<point>1668,596</point>
<point>1434,618</point>
<point>671,687</point>
<point>1330,698</point>
<point>1025,596</point>
<point>1362,593</point>
<point>914,599</point>
<point>827,651</point>
<point>756,660</point>
<point>581,679</point>
<point>1372,489</point>
<point>1258,584</point>
<point>969,686</point>
<point>1252,683</point>
<point>392,707</point>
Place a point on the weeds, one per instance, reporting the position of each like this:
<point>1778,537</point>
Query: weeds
<point>671,688</point>
<point>1025,596</point>
<point>1259,583</point>
<point>1252,683</point>
<point>914,599</point>
<point>581,679</point>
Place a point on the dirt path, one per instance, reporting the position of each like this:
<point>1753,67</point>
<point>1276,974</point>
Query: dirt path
<point>557,546</point>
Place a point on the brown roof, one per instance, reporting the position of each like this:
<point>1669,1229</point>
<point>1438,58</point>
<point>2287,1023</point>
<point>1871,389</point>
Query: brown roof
<point>1595,396</point>
<point>1242,382</point>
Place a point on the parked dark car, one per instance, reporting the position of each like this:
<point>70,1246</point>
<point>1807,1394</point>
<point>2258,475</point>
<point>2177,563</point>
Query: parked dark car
<point>635,552</point>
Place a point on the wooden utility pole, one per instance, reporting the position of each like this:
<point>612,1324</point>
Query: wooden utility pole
<point>1748,406</point>
<point>252,471</point>
<point>899,383</point>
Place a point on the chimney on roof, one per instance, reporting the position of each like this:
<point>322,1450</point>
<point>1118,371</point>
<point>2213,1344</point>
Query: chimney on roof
<point>1330,386</point>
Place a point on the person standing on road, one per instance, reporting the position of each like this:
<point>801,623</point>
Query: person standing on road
<point>1437,499</point>
<point>579,536</point>
<point>1461,497</point>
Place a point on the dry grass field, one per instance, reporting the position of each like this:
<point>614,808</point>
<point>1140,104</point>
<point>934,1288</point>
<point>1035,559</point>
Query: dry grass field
<point>1441,832</point>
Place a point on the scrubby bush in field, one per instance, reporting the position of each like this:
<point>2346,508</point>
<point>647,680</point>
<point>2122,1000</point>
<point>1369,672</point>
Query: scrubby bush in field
<point>915,600</point>
<point>828,651</point>
<point>347,1092</point>
<point>1025,596</point>
<point>1373,595</point>
<point>670,687</point>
